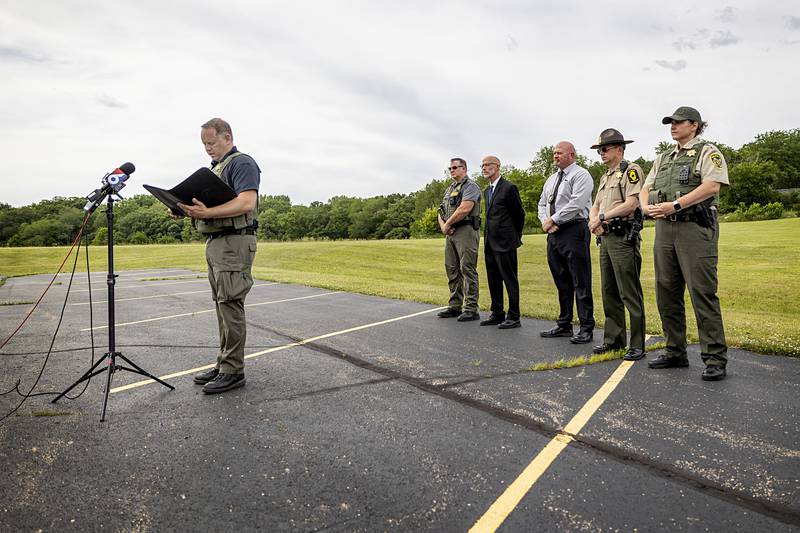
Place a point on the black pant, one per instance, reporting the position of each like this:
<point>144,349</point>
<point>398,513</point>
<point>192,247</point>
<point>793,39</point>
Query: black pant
<point>571,265</point>
<point>501,268</point>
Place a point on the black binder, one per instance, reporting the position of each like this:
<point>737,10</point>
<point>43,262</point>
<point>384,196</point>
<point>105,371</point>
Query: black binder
<point>203,185</point>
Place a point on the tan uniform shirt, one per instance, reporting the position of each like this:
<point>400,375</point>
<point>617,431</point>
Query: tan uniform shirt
<point>711,163</point>
<point>616,186</point>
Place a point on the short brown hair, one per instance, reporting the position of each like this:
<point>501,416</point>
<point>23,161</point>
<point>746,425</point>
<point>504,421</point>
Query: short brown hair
<point>218,125</point>
<point>701,127</point>
<point>459,161</point>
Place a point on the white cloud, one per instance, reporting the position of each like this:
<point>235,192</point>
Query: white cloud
<point>677,65</point>
<point>723,38</point>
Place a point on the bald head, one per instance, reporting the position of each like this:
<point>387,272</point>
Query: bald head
<point>564,154</point>
<point>490,166</point>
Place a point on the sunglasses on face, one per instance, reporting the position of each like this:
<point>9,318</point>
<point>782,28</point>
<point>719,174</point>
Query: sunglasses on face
<point>454,168</point>
<point>604,149</point>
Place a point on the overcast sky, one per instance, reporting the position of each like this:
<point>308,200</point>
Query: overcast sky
<point>366,98</point>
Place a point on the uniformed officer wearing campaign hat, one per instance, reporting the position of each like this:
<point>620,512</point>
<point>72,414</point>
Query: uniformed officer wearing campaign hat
<point>681,192</point>
<point>613,219</point>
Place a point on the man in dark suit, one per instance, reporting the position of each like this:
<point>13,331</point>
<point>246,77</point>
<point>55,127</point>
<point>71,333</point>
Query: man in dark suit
<point>502,236</point>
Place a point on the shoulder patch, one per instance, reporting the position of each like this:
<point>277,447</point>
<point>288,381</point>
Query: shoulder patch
<point>716,158</point>
<point>633,176</point>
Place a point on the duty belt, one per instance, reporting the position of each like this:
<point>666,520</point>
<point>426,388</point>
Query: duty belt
<point>243,231</point>
<point>681,217</point>
<point>572,222</point>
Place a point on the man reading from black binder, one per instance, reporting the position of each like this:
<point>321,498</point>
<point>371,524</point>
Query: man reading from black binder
<point>230,249</point>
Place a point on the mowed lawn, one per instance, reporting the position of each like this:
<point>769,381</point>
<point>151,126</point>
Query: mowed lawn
<point>759,275</point>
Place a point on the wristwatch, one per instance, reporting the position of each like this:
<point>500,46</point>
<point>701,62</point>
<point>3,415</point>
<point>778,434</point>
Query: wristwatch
<point>602,217</point>
<point>676,205</point>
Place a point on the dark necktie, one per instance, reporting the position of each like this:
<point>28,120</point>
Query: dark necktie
<point>555,193</point>
<point>489,195</point>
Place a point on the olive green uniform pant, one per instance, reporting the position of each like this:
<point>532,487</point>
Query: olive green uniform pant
<point>620,267</point>
<point>229,260</point>
<point>685,255</point>
<point>461,265</point>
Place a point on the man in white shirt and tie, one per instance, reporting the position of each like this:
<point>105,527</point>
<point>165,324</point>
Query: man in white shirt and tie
<point>564,211</point>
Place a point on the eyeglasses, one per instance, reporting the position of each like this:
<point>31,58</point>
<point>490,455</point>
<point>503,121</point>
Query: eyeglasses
<point>486,165</point>
<point>455,168</point>
<point>604,149</point>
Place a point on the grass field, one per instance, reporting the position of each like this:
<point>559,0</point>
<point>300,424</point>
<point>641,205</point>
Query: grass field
<point>759,275</point>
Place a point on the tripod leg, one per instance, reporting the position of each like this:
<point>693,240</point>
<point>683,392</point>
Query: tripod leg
<point>88,375</point>
<point>111,368</point>
<point>141,371</point>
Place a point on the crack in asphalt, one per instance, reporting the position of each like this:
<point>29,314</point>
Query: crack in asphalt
<point>780,512</point>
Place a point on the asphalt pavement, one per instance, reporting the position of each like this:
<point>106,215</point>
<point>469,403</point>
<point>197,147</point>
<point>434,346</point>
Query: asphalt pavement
<point>369,414</point>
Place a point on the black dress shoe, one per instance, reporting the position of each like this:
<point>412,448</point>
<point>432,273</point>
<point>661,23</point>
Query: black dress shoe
<point>467,316</point>
<point>493,320</point>
<point>223,383</point>
<point>510,324</point>
<point>634,354</point>
<point>557,331</point>
<point>663,361</point>
<point>714,373</point>
<point>450,312</point>
<point>605,347</point>
<point>204,377</point>
<point>582,337</point>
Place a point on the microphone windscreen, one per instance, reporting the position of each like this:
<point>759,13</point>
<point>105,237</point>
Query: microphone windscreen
<point>127,168</point>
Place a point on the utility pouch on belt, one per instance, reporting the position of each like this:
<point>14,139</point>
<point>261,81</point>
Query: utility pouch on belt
<point>656,197</point>
<point>476,223</point>
<point>442,212</point>
<point>617,226</point>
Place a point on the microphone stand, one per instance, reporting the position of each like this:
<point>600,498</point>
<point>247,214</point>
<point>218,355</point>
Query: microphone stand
<point>112,355</point>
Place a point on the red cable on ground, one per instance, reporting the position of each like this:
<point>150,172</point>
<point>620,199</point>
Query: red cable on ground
<point>80,232</point>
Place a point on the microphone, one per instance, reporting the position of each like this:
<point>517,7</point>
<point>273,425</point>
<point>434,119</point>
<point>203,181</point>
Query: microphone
<point>113,182</point>
<point>117,178</point>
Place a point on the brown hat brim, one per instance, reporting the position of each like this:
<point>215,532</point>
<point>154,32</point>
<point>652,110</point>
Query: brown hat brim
<point>596,146</point>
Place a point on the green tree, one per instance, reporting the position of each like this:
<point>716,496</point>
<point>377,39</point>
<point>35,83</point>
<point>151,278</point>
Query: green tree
<point>139,237</point>
<point>339,217</point>
<point>366,216</point>
<point>318,218</point>
<point>783,149</point>
<point>397,219</point>
<point>426,225</point>
<point>268,227</point>
<point>750,183</point>
<point>100,237</point>
<point>664,146</point>
<point>280,203</point>
<point>429,196</point>
<point>543,163</point>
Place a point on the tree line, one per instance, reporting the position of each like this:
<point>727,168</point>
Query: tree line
<point>760,172</point>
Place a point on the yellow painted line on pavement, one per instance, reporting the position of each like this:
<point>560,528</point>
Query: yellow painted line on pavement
<point>508,501</point>
<point>155,319</point>
<point>117,300</point>
<point>277,349</point>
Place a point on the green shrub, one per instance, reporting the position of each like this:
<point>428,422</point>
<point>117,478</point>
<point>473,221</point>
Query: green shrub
<point>756,211</point>
<point>139,238</point>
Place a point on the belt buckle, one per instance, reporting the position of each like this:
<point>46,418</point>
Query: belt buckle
<point>673,218</point>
